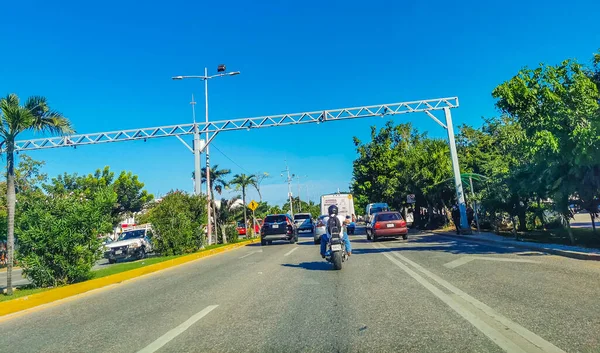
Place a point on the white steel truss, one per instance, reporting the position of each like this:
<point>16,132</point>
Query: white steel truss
<point>238,124</point>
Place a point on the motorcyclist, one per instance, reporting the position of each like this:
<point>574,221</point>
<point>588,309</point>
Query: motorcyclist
<point>333,212</point>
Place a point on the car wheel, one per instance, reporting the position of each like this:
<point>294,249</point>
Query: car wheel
<point>270,242</point>
<point>142,253</point>
<point>112,261</point>
<point>317,241</point>
<point>373,237</point>
<point>405,236</point>
<point>263,242</point>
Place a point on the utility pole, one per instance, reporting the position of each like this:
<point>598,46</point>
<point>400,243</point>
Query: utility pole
<point>197,148</point>
<point>289,181</point>
<point>460,196</point>
<point>299,202</point>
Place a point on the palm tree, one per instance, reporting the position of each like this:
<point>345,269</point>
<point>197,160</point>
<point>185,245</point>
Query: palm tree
<point>226,211</point>
<point>259,178</point>
<point>242,181</point>
<point>217,177</point>
<point>34,115</point>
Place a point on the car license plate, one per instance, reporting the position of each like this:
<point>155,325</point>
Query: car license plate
<point>275,226</point>
<point>118,252</point>
<point>390,225</point>
<point>336,247</point>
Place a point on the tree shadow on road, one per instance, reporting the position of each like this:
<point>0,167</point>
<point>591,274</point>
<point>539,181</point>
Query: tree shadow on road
<point>439,244</point>
<point>311,266</point>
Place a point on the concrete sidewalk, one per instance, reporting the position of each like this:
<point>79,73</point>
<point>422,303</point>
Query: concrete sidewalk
<point>576,252</point>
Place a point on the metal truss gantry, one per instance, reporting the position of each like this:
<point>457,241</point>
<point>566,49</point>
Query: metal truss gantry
<point>239,124</point>
<point>427,106</point>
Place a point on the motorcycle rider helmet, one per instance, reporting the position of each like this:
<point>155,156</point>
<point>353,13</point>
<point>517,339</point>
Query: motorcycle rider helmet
<point>332,210</point>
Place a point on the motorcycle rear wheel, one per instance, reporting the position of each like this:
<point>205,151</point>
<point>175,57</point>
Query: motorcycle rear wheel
<point>336,259</point>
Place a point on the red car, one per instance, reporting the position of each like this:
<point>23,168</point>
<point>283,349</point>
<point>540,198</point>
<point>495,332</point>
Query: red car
<point>241,228</point>
<point>387,225</point>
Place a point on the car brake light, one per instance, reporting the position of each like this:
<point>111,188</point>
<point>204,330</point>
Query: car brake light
<point>402,224</point>
<point>377,225</point>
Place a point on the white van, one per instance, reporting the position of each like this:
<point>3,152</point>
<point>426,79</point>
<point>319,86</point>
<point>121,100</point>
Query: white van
<point>373,208</point>
<point>344,202</point>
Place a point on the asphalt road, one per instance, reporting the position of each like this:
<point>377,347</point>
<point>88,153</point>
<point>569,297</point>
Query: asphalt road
<point>427,294</point>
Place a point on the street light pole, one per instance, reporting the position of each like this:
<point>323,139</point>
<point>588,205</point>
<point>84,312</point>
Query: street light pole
<point>208,191</point>
<point>197,144</point>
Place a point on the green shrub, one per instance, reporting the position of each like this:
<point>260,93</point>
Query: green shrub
<point>232,233</point>
<point>58,236</point>
<point>178,222</point>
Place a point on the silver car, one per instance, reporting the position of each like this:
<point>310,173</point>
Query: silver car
<point>320,228</point>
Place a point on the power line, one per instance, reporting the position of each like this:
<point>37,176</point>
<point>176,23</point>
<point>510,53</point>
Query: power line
<point>232,161</point>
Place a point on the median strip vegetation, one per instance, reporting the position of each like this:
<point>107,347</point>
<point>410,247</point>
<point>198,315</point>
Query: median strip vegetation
<point>119,273</point>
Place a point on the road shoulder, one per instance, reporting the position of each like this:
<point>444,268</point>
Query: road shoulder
<point>555,249</point>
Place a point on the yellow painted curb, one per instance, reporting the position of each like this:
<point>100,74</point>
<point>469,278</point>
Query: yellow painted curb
<point>51,295</point>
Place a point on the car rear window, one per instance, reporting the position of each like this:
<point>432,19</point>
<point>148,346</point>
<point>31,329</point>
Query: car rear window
<point>275,219</point>
<point>389,217</point>
<point>301,216</point>
<point>378,209</point>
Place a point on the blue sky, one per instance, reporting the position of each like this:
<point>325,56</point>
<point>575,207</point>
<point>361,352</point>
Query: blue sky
<point>107,66</point>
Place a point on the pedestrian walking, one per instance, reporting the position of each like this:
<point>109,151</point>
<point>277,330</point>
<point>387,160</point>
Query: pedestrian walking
<point>456,217</point>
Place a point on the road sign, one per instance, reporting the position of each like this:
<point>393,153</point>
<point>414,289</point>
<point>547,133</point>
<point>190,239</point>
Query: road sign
<point>410,198</point>
<point>253,205</point>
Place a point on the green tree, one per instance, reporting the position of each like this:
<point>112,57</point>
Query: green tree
<point>399,160</point>
<point>15,118</point>
<point>131,196</point>
<point>28,177</point>
<point>497,151</point>
<point>242,182</point>
<point>178,221</point>
<point>557,107</point>
<point>59,236</point>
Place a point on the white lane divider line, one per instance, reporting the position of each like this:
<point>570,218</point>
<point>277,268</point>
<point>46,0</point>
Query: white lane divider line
<point>466,259</point>
<point>506,344</point>
<point>291,251</point>
<point>250,253</point>
<point>167,337</point>
<point>527,335</point>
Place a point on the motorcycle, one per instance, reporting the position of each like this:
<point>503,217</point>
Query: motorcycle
<point>336,250</point>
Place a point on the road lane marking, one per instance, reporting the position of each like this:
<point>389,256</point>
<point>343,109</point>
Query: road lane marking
<point>466,259</point>
<point>503,342</point>
<point>527,335</point>
<point>250,253</point>
<point>291,251</point>
<point>167,337</point>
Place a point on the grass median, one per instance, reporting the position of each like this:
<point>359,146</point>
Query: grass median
<point>107,271</point>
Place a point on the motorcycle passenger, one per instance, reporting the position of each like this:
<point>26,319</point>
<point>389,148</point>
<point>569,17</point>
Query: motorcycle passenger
<point>333,212</point>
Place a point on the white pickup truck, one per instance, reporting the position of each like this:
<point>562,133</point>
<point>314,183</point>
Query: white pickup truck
<point>130,244</point>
